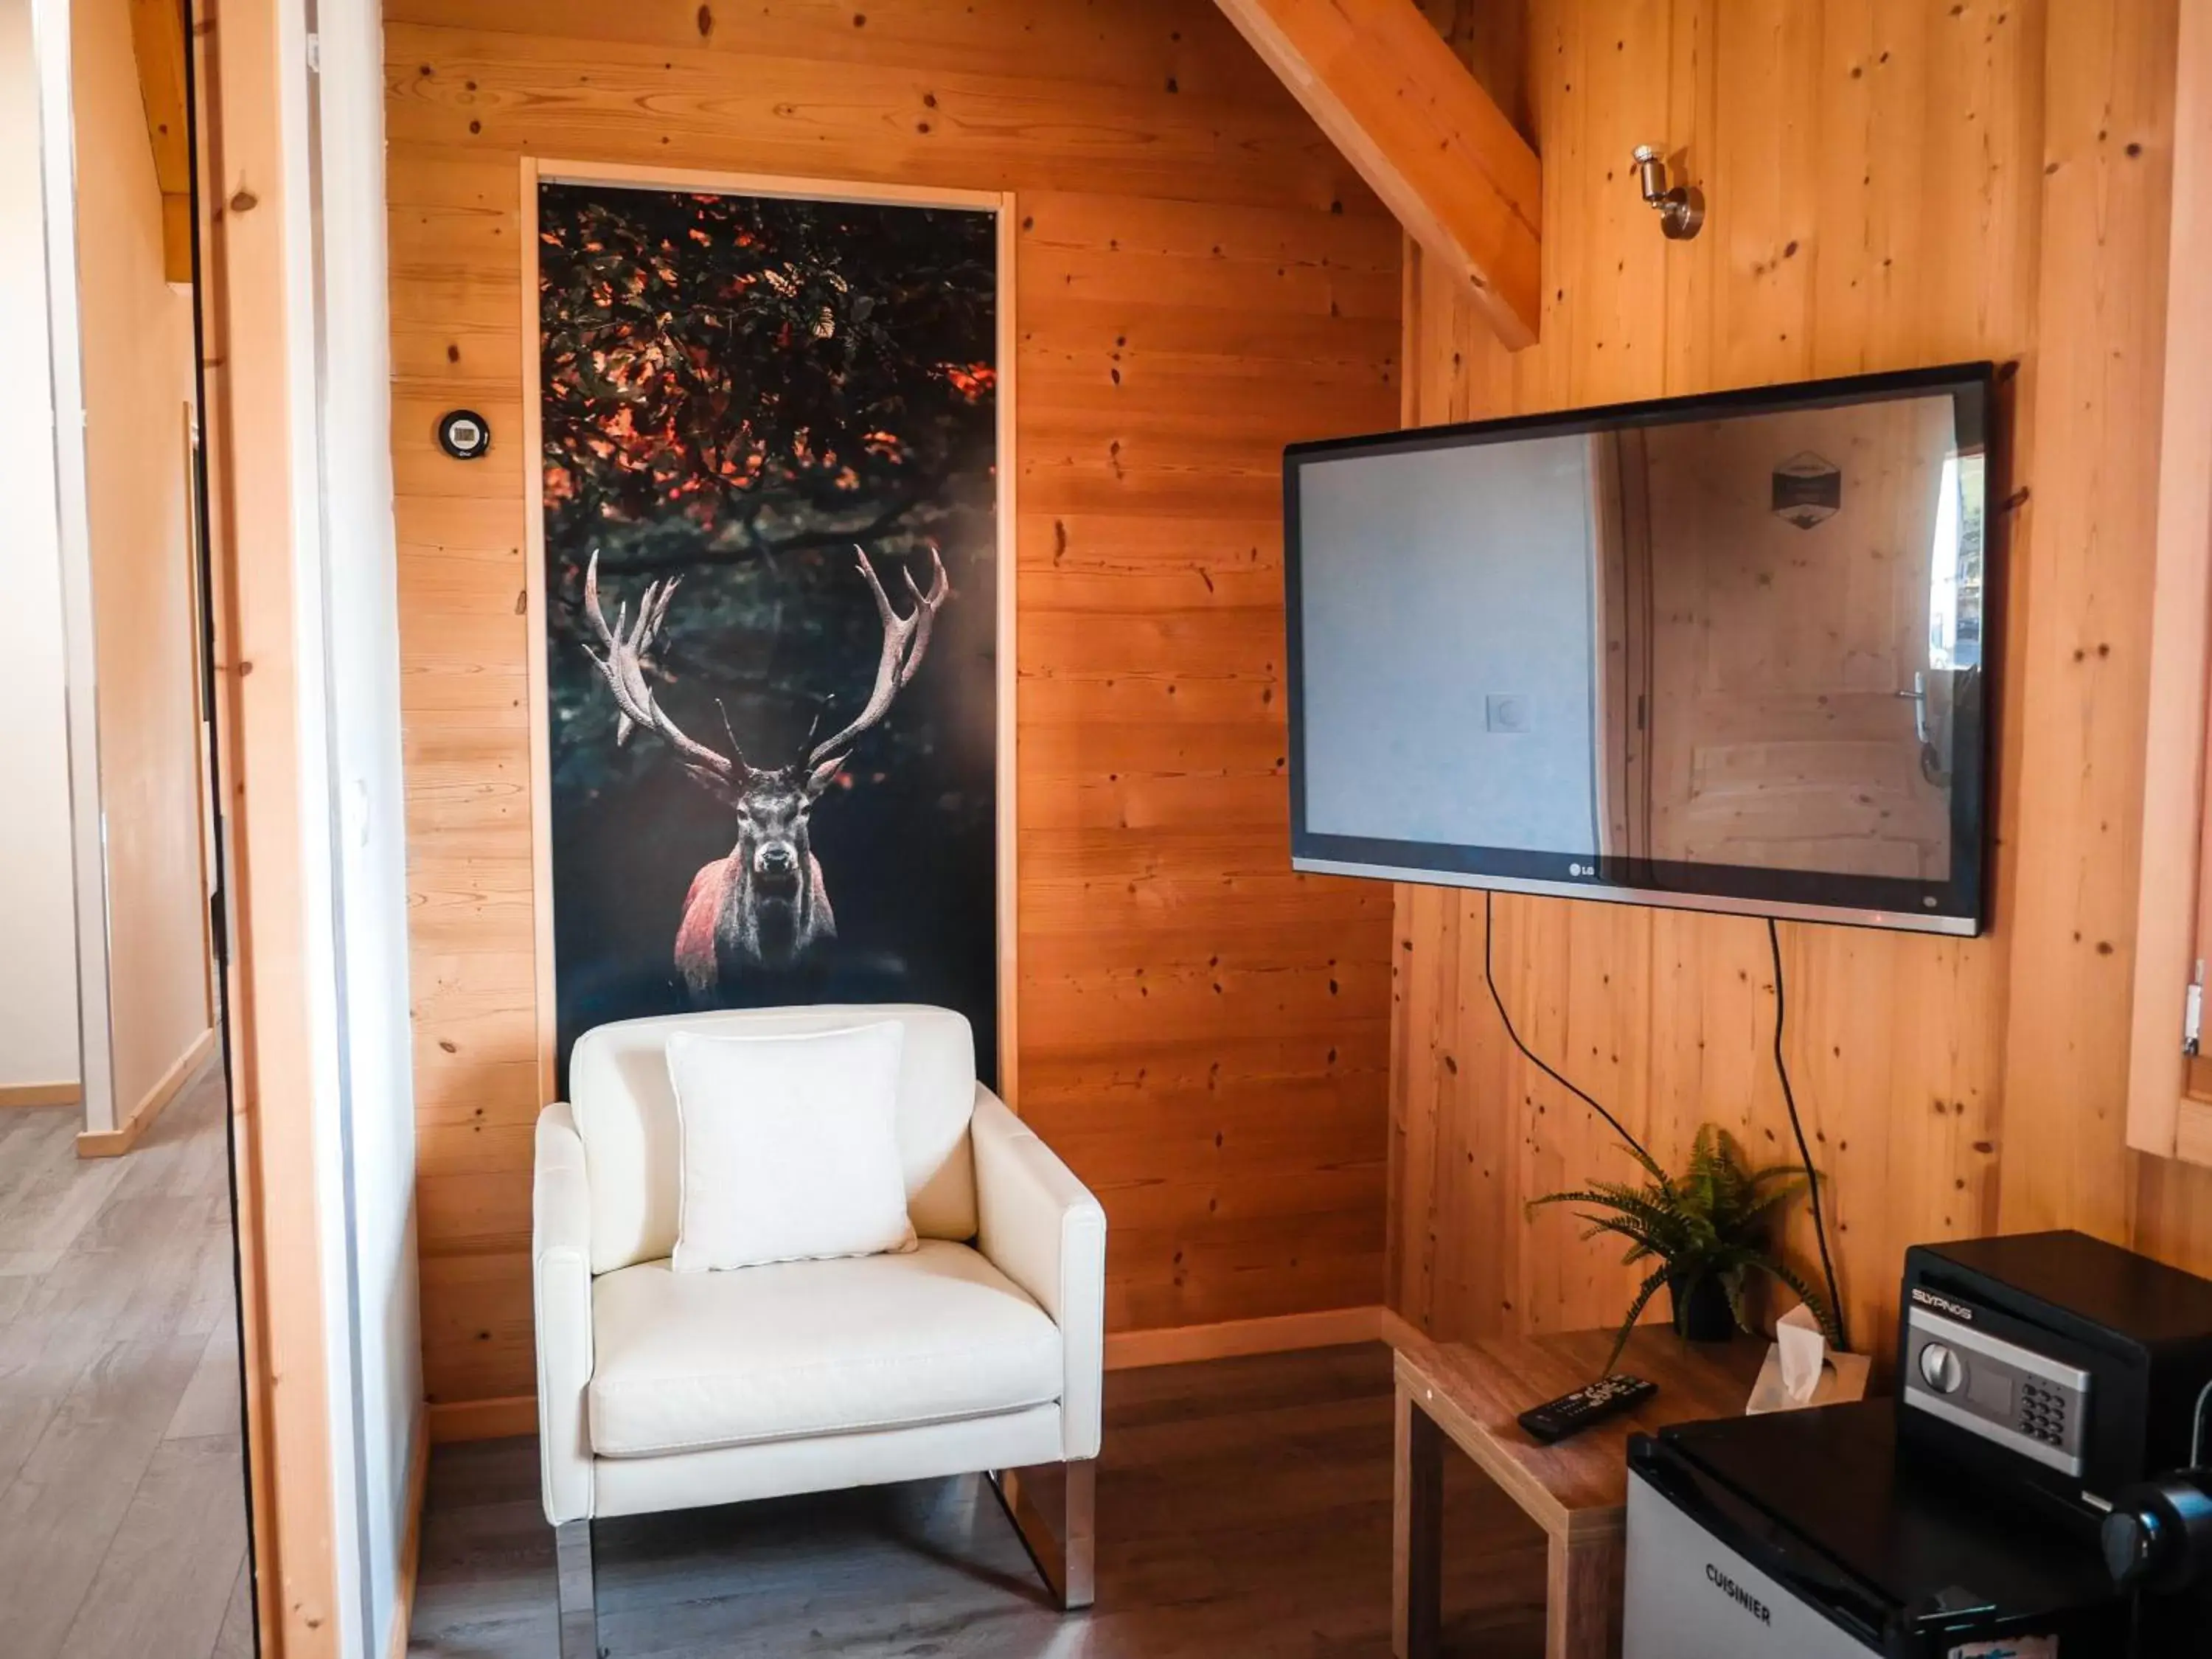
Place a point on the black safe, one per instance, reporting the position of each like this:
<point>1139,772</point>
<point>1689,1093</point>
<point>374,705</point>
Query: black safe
<point>2052,1363</point>
<point>2039,1375</point>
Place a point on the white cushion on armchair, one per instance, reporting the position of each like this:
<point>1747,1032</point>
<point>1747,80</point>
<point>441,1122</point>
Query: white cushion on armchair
<point>625,1109</point>
<point>657,1389</point>
<point>789,1147</point>
<point>690,1361</point>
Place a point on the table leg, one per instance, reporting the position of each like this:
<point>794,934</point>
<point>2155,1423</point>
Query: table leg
<point>1417,1533</point>
<point>1582,1611</point>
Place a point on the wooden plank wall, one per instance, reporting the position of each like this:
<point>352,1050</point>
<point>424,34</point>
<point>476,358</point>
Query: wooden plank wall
<point>1201,279</point>
<point>2084,683</point>
<point>1892,183</point>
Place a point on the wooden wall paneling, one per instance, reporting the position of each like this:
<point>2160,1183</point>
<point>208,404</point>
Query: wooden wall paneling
<point>1891,185</point>
<point>1603,292</point>
<point>2173,1210</point>
<point>1200,279</point>
<point>1101,42</point>
<point>1424,134</point>
<point>250,1210</point>
<point>2174,900</point>
<point>249,432</point>
<point>1492,40</point>
<point>2079,679</point>
<point>1422,1004</point>
<point>1874,172</point>
<point>1457,1262</point>
<point>1007,817</point>
<point>533,170</point>
<point>1048,127</point>
<point>2097,403</point>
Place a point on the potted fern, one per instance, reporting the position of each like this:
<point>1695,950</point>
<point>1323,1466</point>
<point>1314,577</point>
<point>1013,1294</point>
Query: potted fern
<point>1708,1231</point>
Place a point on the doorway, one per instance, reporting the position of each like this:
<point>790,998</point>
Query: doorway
<point>124,1509</point>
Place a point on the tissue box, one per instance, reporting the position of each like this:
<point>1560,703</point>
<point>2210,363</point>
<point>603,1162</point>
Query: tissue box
<point>1843,1377</point>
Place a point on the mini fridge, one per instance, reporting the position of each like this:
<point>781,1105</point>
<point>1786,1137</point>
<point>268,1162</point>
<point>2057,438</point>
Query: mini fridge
<point>1802,1535</point>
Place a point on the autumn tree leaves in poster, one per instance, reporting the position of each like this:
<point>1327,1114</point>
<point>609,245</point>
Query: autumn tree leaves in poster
<point>769,488</point>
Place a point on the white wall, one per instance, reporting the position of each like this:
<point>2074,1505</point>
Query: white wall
<point>38,921</point>
<point>1449,578</point>
<point>135,349</point>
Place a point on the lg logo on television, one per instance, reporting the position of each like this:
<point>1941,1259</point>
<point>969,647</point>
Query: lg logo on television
<point>1582,869</point>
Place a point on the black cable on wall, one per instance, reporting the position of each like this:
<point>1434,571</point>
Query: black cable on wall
<point>1804,1153</point>
<point>1490,978</point>
<point>1781,1069</point>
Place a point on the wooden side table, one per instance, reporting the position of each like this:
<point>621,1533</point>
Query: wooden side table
<point>1577,1491</point>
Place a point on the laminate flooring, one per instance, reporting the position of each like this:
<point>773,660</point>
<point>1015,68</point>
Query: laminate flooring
<point>122,1479</point>
<point>1244,1509</point>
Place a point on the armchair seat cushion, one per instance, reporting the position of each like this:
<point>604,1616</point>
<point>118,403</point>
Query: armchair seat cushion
<point>692,1361</point>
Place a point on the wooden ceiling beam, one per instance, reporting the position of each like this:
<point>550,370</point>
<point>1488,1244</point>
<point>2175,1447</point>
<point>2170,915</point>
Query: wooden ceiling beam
<point>157,38</point>
<point>1379,80</point>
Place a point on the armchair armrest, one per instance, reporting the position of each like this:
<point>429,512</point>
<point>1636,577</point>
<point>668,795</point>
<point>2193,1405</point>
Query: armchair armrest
<point>1042,1228</point>
<point>561,1295</point>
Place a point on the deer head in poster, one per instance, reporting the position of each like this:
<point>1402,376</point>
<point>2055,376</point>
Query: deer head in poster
<point>765,904</point>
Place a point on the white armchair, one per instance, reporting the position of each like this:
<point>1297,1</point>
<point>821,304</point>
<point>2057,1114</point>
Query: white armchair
<point>980,1351</point>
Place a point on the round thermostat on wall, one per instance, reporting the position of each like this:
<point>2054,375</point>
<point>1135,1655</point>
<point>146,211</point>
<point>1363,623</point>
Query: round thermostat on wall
<point>464,435</point>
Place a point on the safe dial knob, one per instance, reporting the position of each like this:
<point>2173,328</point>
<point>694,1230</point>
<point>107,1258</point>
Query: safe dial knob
<point>1941,1369</point>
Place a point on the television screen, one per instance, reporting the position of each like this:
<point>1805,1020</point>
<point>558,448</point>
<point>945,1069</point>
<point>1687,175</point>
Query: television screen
<point>1723,652</point>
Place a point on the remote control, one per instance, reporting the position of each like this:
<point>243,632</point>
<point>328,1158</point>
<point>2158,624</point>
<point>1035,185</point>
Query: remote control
<point>1571,1414</point>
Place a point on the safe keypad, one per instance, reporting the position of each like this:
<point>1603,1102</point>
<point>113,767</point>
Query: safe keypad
<point>2042,1413</point>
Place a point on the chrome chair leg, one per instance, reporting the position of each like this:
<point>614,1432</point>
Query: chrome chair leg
<point>1067,1555</point>
<point>580,1617</point>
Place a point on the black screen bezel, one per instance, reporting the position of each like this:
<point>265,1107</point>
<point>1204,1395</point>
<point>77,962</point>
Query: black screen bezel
<point>1957,904</point>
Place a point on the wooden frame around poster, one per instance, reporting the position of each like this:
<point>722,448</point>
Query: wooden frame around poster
<point>540,170</point>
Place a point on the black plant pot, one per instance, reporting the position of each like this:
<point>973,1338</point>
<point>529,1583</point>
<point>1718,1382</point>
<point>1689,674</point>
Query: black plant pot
<point>1702,1312</point>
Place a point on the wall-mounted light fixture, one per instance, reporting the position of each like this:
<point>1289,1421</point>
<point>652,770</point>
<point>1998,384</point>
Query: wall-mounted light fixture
<point>1681,210</point>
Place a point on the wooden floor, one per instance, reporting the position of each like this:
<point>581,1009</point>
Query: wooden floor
<point>122,1487</point>
<point>1243,1509</point>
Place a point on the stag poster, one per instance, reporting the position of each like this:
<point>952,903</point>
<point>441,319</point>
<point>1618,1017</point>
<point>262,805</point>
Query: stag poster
<point>770,433</point>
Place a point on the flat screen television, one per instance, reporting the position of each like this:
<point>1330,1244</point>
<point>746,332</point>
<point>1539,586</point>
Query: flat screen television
<point>1724,652</point>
